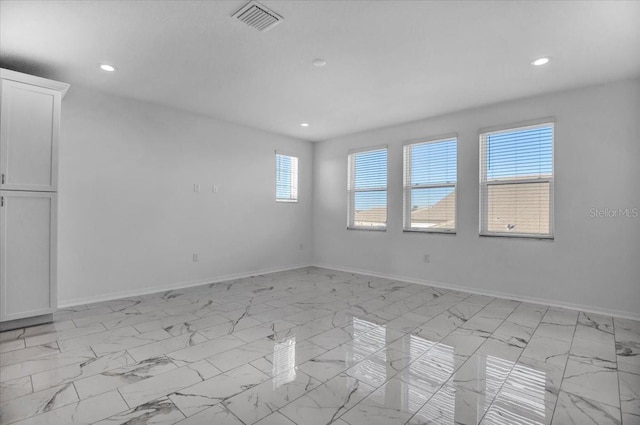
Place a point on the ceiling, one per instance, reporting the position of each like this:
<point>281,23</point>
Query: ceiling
<point>387,61</point>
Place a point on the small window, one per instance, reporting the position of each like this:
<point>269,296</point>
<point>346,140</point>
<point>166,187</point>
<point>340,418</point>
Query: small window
<point>430,175</point>
<point>367,189</point>
<point>286,178</point>
<point>516,182</point>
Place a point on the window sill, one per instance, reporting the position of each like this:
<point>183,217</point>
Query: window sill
<point>287,201</point>
<point>368,229</point>
<point>439,232</point>
<point>517,236</point>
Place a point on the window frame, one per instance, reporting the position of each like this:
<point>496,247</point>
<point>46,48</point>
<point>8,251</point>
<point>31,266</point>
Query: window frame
<point>484,184</point>
<point>289,200</point>
<point>407,187</point>
<point>351,192</point>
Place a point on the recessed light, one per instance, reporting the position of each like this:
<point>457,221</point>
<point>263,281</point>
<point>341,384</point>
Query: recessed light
<point>304,124</point>
<point>540,61</point>
<point>319,62</point>
<point>107,67</point>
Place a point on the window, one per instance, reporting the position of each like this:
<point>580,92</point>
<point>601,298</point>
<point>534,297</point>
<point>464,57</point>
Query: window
<point>430,174</point>
<point>367,187</point>
<point>516,182</point>
<point>286,178</point>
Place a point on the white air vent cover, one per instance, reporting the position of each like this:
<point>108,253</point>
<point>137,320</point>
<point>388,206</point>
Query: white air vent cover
<point>258,16</point>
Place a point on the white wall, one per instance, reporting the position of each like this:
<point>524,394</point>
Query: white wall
<point>593,262</point>
<point>129,220</point>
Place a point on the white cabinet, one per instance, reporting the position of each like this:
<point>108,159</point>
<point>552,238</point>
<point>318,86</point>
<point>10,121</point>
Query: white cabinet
<point>29,130</point>
<point>27,254</point>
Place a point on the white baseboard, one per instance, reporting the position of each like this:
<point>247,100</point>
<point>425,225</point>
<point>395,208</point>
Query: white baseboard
<point>215,279</point>
<point>172,286</point>
<point>495,294</point>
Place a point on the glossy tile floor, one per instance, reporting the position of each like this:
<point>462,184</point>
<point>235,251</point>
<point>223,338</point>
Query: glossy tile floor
<point>315,346</point>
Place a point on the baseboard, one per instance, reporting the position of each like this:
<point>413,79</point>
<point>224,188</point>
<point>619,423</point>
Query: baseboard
<point>26,322</point>
<point>216,279</point>
<point>495,294</point>
<point>172,286</point>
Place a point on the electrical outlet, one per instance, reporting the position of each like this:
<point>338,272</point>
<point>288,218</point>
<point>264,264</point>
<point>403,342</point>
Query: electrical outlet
<point>427,258</point>
<point>214,189</point>
<point>195,258</point>
<point>196,187</point>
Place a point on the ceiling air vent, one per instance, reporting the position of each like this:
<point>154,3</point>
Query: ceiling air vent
<point>258,16</point>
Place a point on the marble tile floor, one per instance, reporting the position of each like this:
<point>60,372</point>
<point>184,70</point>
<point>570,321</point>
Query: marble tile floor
<point>316,346</point>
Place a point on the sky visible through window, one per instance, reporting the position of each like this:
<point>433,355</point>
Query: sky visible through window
<point>370,173</point>
<point>520,153</point>
<point>286,172</point>
<point>432,163</point>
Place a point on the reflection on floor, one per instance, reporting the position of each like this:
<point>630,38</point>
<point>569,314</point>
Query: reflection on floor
<point>316,346</point>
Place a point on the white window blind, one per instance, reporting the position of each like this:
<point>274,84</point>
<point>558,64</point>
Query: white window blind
<point>286,178</point>
<point>430,175</point>
<point>367,189</point>
<point>516,182</point>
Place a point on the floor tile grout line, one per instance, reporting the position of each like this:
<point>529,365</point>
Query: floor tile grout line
<point>43,356</point>
<point>512,366</point>
<point>123,399</point>
<point>564,371</point>
<point>178,407</point>
<point>462,364</point>
<point>519,356</point>
<point>232,414</point>
<point>46,411</point>
<point>617,368</point>
<point>469,357</point>
<point>90,376</point>
<point>475,351</point>
<point>276,410</point>
<point>117,413</point>
<point>397,373</point>
<point>76,391</point>
<point>599,367</point>
<point>532,334</point>
<point>340,373</point>
<point>283,414</point>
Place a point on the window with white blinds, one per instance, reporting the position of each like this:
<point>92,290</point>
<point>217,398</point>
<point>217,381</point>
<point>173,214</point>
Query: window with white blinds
<point>430,175</point>
<point>516,182</point>
<point>367,189</point>
<point>286,178</point>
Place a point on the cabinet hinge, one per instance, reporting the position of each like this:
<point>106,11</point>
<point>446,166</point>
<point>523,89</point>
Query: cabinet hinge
<point>1,201</point>
<point>2,178</point>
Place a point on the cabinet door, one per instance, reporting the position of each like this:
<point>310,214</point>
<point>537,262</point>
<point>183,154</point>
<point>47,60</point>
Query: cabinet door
<point>30,121</point>
<point>27,254</point>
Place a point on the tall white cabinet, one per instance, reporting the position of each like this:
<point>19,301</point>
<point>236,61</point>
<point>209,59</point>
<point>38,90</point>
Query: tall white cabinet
<point>29,132</point>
